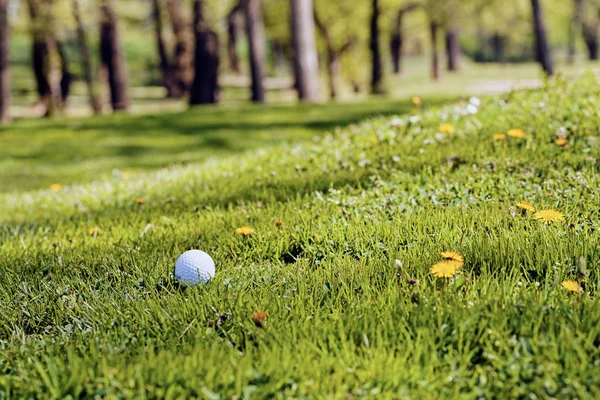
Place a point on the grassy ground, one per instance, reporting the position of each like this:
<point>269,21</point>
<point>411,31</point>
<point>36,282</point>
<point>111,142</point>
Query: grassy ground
<point>36,154</point>
<point>88,306</point>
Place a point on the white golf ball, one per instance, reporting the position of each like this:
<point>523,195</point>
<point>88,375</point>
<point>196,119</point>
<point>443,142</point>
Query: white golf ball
<point>193,267</point>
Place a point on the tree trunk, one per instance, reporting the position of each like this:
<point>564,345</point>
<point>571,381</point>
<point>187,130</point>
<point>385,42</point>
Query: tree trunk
<point>205,87</point>
<point>333,70</point>
<point>435,61</point>
<point>182,62</point>
<point>332,58</point>
<point>295,69</point>
<point>41,64</point>
<point>112,57</point>
<point>256,41</point>
<point>66,77</point>
<point>278,57</point>
<point>541,41</point>
<point>574,27</point>
<point>232,39</point>
<point>4,63</point>
<point>590,36</point>
<point>591,43</point>
<point>40,57</point>
<point>396,42</point>
<point>452,49</point>
<point>376,64</point>
<point>396,52</point>
<point>499,47</point>
<point>168,76</point>
<point>397,39</point>
<point>85,59</point>
<point>50,82</point>
<point>305,50</point>
<point>57,86</point>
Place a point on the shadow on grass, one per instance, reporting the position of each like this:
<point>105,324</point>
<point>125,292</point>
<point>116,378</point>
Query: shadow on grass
<point>200,120</point>
<point>35,154</point>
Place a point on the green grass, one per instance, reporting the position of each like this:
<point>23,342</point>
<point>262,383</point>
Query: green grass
<point>99,315</point>
<point>37,154</point>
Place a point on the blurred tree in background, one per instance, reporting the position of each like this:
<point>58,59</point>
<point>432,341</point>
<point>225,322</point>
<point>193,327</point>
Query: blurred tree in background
<point>167,67</point>
<point>205,87</point>
<point>306,64</point>
<point>183,45</point>
<point>587,15</point>
<point>397,33</point>
<point>86,64</point>
<point>332,18</point>
<point>111,56</point>
<point>5,88</point>
<point>543,55</point>
<point>256,38</point>
<point>48,55</point>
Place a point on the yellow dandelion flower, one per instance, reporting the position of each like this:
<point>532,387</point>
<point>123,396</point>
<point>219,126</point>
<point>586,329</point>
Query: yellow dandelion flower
<point>549,216</point>
<point>561,142</point>
<point>94,231</point>
<point>244,230</point>
<point>445,269</point>
<point>516,133</point>
<point>140,201</point>
<point>572,286</point>
<point>499,136</point>
<point>56,187</point>
<point>446,128</point>
<point>454,256</point>
<point>525,205</point>
<point>126,175</point>
<point>416,101</point>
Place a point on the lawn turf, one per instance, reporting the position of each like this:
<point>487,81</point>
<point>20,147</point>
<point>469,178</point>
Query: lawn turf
<point>36,154</point>
<point>88,306</point>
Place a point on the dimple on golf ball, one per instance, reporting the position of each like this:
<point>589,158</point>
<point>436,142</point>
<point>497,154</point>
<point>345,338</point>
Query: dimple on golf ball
<point>193,267</point>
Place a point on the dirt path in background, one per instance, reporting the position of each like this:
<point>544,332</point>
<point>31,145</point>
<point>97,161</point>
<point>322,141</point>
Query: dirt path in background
<point>495,86</point>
